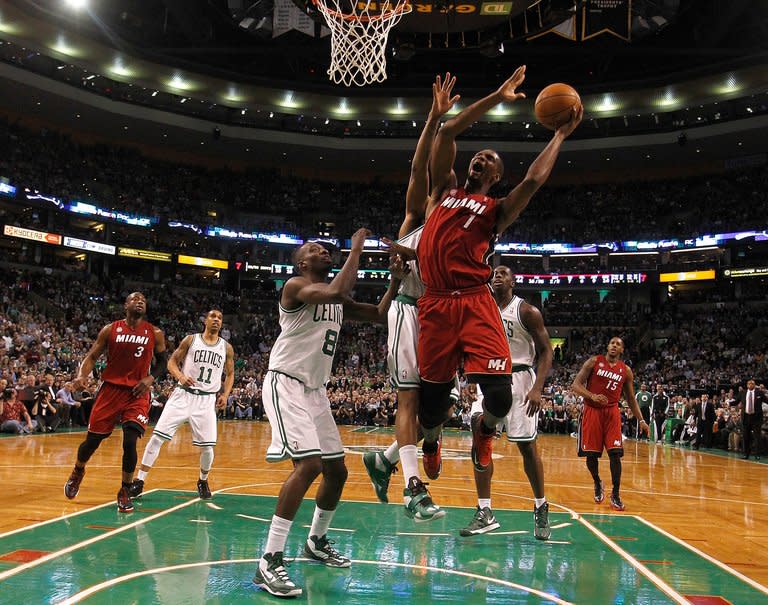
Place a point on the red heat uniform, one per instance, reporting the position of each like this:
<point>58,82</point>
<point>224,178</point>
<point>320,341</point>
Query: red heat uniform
<point>458,317</point>
<point>129,356</point>
<point>601,427</point>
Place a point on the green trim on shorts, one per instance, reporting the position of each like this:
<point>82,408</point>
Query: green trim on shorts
<point>332,456</point>
<point>521,368</point>
<point>287,453</point>
<point>407,300</point>
<point>162,435</point>
<point>203,443</point>
<point>522,439</point>
<point>276,403</point>
<point>194,391</point>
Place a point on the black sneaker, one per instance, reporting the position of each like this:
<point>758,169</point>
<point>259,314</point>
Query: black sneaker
<point>274,578</point>
<point>124,502</point>
<point>616,503</point>
<point>321,549</point>
<point>541,528</point>
<point>203,490</point>
<point>481,523</point>
<point>599,492</point>
<point>72,486</point>
<point>136,488</point>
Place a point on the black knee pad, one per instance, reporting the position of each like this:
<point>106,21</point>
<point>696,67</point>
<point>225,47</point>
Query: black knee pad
<point>497,398</point>
<point>435,403</point>
<point>89,446</point>
<point>131,435</point>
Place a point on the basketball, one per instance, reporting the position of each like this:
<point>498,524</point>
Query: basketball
<point>554,105</point>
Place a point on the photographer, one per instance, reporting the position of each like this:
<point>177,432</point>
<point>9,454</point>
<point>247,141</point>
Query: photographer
<point>47,415</point>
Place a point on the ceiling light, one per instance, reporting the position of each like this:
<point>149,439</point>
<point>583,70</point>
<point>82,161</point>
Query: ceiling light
<point>76,4</point>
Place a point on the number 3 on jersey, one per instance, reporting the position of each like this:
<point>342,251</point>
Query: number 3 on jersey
<point>329,344</point>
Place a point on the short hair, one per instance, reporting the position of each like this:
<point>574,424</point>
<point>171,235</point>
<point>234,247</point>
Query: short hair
<point>214,308</point>
<point>8,394</point>
<point>296,257</point>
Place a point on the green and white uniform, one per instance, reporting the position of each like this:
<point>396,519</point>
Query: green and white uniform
<point>294,392</point>
<point>403,326</point>
<point>519,426</point>
<point>197,404</point>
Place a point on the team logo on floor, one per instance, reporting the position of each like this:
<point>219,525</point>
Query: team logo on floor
<point>447,454</point>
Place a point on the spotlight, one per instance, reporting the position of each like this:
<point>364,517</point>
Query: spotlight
<point>76,5</point>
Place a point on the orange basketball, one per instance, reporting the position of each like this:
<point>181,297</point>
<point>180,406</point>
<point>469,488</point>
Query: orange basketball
<point>555,104</point>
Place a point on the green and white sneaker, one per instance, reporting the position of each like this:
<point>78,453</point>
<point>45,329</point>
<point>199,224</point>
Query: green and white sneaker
<point>321,549</point>
<point>274,578</point>
<point>541,522</point>
<point>418,504</point>
<point>380,471</point>
<point>481,523</point>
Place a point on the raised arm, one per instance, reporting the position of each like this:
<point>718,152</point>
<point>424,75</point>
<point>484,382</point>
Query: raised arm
<point>229,378</point>
<point>418,185</point>
<point>300,290</point>
<point>629,394</point>
<point>176,361</point>
<point>378,313</point>
<point>444,149</point>
<point>89,362</point>
<point>515,202</point>
<point>534,323</point>
<point>579,386</point>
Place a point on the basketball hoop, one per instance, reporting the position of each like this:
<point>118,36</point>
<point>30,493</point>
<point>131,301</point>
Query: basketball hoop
<point>359,33</point>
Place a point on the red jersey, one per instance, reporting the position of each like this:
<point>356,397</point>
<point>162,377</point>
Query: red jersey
<point>129,353</point>
<point>457,241</point>
<point>607,379</point>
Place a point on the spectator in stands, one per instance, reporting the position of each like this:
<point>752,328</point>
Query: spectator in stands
<point>69,408</point>
<point>14,417</point>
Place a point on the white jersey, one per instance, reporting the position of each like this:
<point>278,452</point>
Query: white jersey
<point>307,342</point>
<point>521,346</point>
<point>205,363</point>
<point>412,285</point>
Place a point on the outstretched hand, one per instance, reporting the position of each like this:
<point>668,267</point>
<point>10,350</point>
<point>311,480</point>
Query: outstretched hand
<point>404,252</point>
<point>576,115</point>
<point>507,90</point>
<point>442,101</point>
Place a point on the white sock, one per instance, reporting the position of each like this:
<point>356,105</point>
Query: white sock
<point>410,461</point>
<point>321,521</point>
<point>392,453</point>
<point>151,452</point>
<point>141,475</point>
<point>484,503</point>
<point>278,534</point>
<point>206,461</point>
<point>537,502</point>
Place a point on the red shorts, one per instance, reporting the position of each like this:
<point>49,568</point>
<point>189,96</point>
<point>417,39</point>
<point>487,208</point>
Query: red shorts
<point>600,428</point>
<point>117,404</point>
<point>464,325</point>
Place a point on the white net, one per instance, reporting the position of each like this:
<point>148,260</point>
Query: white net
<point>359,33</point>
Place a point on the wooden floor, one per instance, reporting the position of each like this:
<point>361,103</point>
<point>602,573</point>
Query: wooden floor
<point>717,504</point>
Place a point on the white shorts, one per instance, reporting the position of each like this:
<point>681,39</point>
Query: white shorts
<point>402,338</point>
<point>301,420</point>
<point>183,406</point>
<point>519,426</point>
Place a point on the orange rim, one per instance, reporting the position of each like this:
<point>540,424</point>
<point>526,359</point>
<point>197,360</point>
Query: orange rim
<point>362,19</point>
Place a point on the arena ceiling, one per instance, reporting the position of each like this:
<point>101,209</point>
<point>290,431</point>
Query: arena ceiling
<point>701,64</point>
